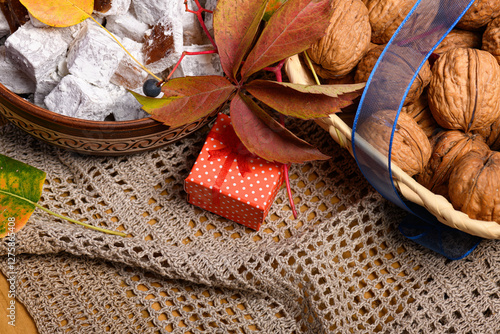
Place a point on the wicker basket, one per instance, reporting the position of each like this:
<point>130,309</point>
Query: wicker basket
<point>437,205</point>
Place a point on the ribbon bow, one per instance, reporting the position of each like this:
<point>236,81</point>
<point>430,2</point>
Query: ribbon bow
<point>233,151</point>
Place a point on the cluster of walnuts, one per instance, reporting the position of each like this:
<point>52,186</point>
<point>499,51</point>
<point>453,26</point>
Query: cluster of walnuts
<point>448,133</point>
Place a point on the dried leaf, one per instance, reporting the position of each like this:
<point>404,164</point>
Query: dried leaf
<point>304,101</point>
<point>20,188</point>
<point>292,29</point>
<point>60,13</point>
<point>265,137</point>
<point>235,26</point>
<point>188,99</point>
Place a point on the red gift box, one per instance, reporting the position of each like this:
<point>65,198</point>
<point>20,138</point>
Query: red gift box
<point>228,180</point>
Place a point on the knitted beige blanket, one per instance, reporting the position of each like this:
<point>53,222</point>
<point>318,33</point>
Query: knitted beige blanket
<point>341,267</point>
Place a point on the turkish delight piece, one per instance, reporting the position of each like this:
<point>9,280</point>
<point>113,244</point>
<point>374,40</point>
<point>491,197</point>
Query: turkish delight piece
<point>44,87</point>
<point>72,32</point>
<point>203,64</point>
<point>127,108</point>
<point>12,78</point>
<point>111,7</point>
<point>151,11</point>
<point>129,74</point>
<point>77,98</point>
<point>36,22</point>
<point>127,25</point>
<point>163,44</point>
<point>94,56</point>
<point>4,25</point>
<point>36,51</point>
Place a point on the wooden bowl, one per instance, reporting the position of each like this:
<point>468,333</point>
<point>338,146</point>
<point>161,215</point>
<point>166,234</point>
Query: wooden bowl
<point>91,137</point>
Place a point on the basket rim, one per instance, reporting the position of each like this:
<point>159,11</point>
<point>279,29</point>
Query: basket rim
<point>409,188</point>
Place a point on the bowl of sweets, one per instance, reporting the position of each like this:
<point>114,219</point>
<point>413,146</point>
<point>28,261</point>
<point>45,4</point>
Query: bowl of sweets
<point>72,86</point>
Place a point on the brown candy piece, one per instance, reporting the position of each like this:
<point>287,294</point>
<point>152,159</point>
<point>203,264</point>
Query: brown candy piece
<point>15,13</point>
<point>102,6</point>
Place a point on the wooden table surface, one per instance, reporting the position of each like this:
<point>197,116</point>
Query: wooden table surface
<point>23,322</point>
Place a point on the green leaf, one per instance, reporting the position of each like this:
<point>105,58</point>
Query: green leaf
<point>265,137</point>
<point>272,7</point>
<point>188,99</point>
<point>151,103</point>
<point>20,187</point>
<point>292,29</point>
<point>304,101</point>
<point>235,26</point>
<point>60,13</point>
<point>20,190</point>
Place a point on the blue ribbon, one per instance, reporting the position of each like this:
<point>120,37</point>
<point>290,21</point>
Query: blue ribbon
<point>423,29</point>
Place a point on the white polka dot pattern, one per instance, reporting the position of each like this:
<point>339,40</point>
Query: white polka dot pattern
<point>243,199</point>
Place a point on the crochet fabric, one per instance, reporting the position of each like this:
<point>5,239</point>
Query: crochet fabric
<point>341,267</point>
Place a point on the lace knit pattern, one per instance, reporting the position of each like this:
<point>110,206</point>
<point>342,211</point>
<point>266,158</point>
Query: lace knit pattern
<point>341,267</point>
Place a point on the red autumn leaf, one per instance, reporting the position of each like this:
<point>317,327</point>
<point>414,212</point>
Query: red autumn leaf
<point>188,99</point>
<point>265,137</point>
<point>272,6</point>
<point>292,29</point>
<point>60,13</point>
<point>304,101</point>
<point>235,26</point>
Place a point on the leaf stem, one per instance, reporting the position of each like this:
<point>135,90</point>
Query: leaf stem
<point>198,14</point>
<point>279,78</point>
<point>100,229</point>
<point>277,70</point>
<point>311,67</point>
<point>128,53</point>
<point>289,190</point>
<point>187,53</point>
<point>286,168</point>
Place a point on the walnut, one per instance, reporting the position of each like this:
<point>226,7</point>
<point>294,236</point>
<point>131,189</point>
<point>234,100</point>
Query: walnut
<point>448,147</point>
<point>491,134</point>
<point>411,148</point>
<point>464,91</point>
<point>459,39</point>
<point>491,38</point>
<point>479,14</point>
<point>342,80</point>
<point>387,15</point>
<point>421,113</point>
<point>346,40</point>
<point>366,65</point>
<point>474,185</point>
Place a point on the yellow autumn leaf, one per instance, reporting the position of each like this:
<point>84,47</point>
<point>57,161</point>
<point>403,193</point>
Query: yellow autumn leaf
<point>60,13</point>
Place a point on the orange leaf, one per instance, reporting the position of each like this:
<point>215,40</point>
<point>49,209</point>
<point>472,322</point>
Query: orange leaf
<point>60,13</point>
